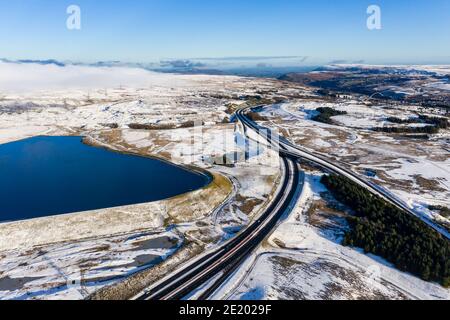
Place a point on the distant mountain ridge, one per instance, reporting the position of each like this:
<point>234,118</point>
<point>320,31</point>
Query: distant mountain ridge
<point>180,66</point>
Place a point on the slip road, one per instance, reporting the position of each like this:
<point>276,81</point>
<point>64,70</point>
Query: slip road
<point>300,153</point>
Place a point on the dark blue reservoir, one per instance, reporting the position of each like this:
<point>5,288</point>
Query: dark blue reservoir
<point>46,176</point>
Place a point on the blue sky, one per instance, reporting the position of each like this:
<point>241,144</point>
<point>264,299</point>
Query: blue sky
<point>414,31</point>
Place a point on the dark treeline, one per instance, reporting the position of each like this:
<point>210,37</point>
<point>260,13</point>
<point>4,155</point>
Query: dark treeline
<point>434,124</point>
<point>441,123</point>
<point>325,114</point>
<point>157,126</point>
<point>384,230</point>
<point>402,121</point>
<point>426,129</point>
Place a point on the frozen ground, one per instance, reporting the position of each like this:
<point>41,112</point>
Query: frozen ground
<point>153,115</point>
<point>73,270</point>
<point>39,258</point>
<point>439,69</point>
<point>416,170</point>
<point>303,259</point>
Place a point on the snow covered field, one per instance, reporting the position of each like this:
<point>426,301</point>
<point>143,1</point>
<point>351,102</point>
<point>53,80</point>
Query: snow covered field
<point>132,110</point>
<point>439,69</point>
<point>73,270</point>
<point>39,258</point>
<point>416,170</point>
<point>304,260</point>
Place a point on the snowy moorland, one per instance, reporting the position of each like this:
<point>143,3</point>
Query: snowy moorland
<point>416,170</point>
<point>103,247</point>
<point>188,120</point>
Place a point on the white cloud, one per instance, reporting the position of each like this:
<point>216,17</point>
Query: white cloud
<point>16,77</point>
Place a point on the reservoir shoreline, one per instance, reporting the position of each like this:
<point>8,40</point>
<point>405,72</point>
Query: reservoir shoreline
<point>209,178</point>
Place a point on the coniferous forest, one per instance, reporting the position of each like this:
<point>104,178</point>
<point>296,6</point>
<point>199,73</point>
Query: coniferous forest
<point>387,231</point>
<point>325,114</point>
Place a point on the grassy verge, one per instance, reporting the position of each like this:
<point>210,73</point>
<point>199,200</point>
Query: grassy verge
<point>197,204</point>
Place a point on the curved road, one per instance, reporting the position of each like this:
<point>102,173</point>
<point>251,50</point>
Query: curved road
<point>224,260</point>
<point>214,268</point>
<point>298,152</point>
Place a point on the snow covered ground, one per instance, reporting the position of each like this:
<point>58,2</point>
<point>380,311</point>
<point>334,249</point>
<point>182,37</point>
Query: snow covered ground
<point>416,170</point>
<point>304,260</point>
<point>40,257</point>
<point>439,69</point>
<point>74,270</point>
<point>71,256</point>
